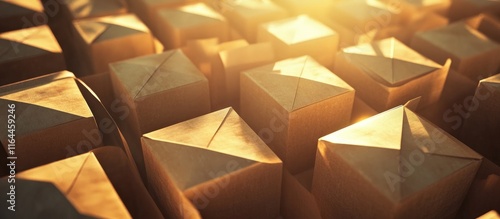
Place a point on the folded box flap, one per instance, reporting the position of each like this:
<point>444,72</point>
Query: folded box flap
<point>85,184</point>
<point>389,61</point>
<point>298,82</point>
<point>20,7</point>
<point>191,15</point>
<point>147,75</point>
<point>460,39</point>
<point>222,131</point>
<point>298,29</point>
<point>39,37</point>
<point>104,28</point>
<point>40,106</point>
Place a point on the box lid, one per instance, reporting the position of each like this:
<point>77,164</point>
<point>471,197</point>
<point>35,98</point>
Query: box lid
<point>194,150</point>
<point>95,30</point>
<point>298,29</point>
<point>460,40</point>
<point>298,82</point>
<point>191,15</point>
<point>27,42</point>
<point>93,8</point>
<point>85,184</point>
<point>44,102</point>
<point>379,148</point>
<point>19,7</point>
<point>146,75</point>
<point>389,61</point>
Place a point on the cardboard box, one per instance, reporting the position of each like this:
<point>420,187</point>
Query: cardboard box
<point>82,180</point>
<point>230,63</point>
<point>204,54</point>
<point>177,25</point>
<point>29,53</point>
<point>460,9</point>
<point>80,9</point>
<point>51,118</point>
<point>159,90</point>
<point>472,53</point>
<point>387,73</point>
<point>292,103</point>
<point>101,41</point>
<point>298,36</point>
<point>18,14</point>
<point>215,160</point>
<point>392,165</point>
<point>372,18</point>
<point>246,16</point>
<point>481,120</point>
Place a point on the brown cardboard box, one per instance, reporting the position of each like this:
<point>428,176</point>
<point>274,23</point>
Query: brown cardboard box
<point>18,14</point>
<point>101,41</point>
<point>52,120</point>
<point>29,53</point>
<point>159,90</point>
<point>246,16</point>
<point>84,183</point>
<point>300,36</point>
<point>194,21</point>
<point>482,121</point>
<point>472,53</point>
<point>204,54</point>
<point>370,19</point>
<point>80,9</point>
<point>219,163</point>
<point>392,165</point>
<point>292,103</point>
<point>460,9</point>
<point>387,73</point>
<point>232,62</point>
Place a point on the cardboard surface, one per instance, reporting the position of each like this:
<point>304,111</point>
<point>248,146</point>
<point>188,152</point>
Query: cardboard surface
<point>298,36</point>
<point>381,164</point>
<point>84,183</point>
<point>58,129</point>
<point>29,53</point>
<point>100,40</point>
<point>293,102</point>
<point>214,160</point>
<point>388,73</point>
